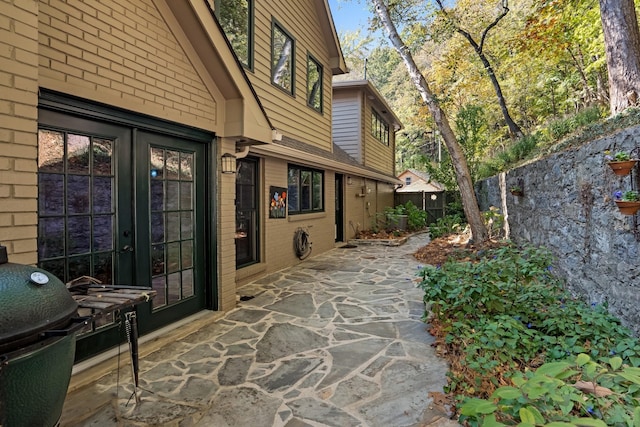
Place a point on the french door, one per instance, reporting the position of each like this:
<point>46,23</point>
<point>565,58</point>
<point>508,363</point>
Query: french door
<point>127,206</point>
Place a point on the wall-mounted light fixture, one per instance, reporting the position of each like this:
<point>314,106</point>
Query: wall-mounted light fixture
<point>228,163</point>
<point>349,180</point>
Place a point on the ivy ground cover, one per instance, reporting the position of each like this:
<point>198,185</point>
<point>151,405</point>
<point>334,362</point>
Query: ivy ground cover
<point>522,350</point>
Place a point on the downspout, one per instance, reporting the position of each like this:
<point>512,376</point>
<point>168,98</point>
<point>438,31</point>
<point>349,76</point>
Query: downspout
<point>243,153</point>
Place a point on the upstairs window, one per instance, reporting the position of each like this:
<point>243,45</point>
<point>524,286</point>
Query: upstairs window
<point>379,128</point>
<point>236,19</point>
<point>314,84</point>
<point>306,193</point>
<point>282,59</point>
<point>407,181</point>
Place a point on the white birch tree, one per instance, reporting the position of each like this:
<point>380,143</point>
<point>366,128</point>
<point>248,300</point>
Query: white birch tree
<point>461,168</point>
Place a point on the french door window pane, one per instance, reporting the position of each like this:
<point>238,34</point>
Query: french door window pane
<point>78,154</point>
<point>76,210</point>
<point>172,206</point>
<point>50,151</point>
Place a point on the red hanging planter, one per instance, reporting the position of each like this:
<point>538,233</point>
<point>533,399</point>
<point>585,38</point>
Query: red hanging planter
<point>623,167</point>
<point>628,208</point>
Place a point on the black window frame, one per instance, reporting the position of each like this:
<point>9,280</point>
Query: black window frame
<point>249,213</point>
<point>294,195</point>
<point>379,127</point>
<point>311,60</point>
<point>249,64</point>
<point>275,25</point>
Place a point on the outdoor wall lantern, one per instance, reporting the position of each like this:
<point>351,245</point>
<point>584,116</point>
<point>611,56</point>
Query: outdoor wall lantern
<point>349,180</point>
<point>228,163</point>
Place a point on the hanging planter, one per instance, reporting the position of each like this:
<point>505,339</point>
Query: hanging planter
<point>622,167</point>
<point>628,208</point>
<point>628,202</point>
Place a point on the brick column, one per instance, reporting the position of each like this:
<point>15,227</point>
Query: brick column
<point>18,129</point>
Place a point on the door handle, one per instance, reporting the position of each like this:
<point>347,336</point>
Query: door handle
<point>127,248</point>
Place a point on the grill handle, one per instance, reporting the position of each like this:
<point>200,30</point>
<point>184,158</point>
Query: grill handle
<point>76,324</point>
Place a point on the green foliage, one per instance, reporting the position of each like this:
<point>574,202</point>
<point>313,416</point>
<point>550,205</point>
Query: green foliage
<point>494,221</point>
<point>446,225</point>
<point>471,124</point>
<point>390,218</point>
<point>575,392</point>
<point>416,218</point>
<point>506,312</point>
<point>528,145</point>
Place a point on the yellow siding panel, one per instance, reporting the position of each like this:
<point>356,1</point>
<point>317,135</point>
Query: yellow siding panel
<point>97,52</point>
<point>290,114</point>
<point>18,127</point>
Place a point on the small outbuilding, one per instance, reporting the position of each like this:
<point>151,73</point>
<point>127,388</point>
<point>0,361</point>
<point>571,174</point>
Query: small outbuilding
<point>426,194</point>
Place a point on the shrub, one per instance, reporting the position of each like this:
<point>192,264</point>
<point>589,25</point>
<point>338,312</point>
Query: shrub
<point>575,392</point>
<point>448,224</point>
<point>503,311</point>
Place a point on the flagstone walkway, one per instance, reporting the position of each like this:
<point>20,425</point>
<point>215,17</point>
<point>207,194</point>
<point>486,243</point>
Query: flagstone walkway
<point>334,341</point>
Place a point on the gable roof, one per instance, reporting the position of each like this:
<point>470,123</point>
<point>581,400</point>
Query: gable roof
<point>244,116</point>
<point>332,42</point>
<point>423,184</point>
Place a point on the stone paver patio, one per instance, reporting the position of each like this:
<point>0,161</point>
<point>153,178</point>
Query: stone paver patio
<point>334,341</point>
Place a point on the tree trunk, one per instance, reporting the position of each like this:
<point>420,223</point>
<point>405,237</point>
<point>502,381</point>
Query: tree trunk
<point>622,46</point>
<point>463,177</point>
<point>514,129</point>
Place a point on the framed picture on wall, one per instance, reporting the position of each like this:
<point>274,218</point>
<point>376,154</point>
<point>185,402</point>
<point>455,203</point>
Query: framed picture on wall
<point>277,202</point>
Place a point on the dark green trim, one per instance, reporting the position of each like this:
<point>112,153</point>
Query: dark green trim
<point>275,24</point>
<point>313,59</point>
<point>82,108</point>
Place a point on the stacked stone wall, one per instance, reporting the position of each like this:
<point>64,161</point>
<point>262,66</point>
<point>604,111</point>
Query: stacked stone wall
<point>568,207</point>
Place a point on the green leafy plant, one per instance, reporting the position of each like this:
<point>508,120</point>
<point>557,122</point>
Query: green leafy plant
<point>448,224</point>
<point>494,221</point>
<point>576,392</point>
<point>503,312</point>
<point>627,196</point>
<point>619,156</point>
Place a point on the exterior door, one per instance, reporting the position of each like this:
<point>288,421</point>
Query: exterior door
<point>127,207</point>
<point>171,229</point>
<point>339,208</point>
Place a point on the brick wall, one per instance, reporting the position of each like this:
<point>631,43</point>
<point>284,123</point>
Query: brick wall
<point>18,127</point>
<point>122,53</point>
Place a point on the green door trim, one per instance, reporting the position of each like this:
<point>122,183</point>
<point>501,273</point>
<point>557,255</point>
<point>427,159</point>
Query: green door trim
<point>85,110</point>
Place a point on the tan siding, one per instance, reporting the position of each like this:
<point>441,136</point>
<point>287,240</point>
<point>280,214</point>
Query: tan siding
<point>226,227</point>
<point>277,247</point>
<point>376,154</point>
<point>18,130</point>
<point>98,52</point>
<point>291,115</point>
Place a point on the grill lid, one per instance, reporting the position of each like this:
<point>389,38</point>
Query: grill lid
<point>31,301</point>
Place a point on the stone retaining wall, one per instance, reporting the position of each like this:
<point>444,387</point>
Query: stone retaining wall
<point>568,207</point>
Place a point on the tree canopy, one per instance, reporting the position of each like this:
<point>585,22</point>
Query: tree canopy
<point>548,56</point>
